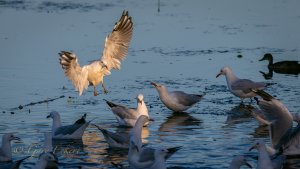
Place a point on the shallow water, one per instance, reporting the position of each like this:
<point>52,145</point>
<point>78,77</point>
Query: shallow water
<point>183,46</point>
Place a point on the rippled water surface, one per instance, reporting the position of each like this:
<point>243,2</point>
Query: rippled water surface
<point>183,46</point>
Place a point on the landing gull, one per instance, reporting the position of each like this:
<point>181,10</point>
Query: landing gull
<point>176,101</point>
<point>5,150</point>
<point>115,49</point>
<point>73,131</point>
<point>128,116</point>
<point>240,87</point>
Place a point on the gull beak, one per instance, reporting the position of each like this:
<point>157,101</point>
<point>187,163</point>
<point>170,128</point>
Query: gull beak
<point>154,84</point>
<point>218,75</point>
<point>253,147</point>
<point>48,116</point>
<point>139,101</point>
<point>248,165</point>
<point>136,147</point>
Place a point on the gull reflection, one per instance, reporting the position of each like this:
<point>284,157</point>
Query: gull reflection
<point>239,114</point>
<point>176,121</point>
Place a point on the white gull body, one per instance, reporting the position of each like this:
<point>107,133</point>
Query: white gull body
<point>128,116</point>
<point>176,101</point>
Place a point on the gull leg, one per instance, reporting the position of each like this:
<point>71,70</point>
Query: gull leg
<point>105,91</point>
<point>95,92</point>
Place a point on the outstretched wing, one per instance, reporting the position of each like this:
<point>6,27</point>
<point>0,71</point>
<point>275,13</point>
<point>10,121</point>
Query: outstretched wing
<point>77,75</point>
<point>117,43</point>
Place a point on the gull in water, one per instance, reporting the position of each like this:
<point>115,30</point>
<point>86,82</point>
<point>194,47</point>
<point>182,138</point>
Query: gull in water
<point>177,101</point>
<point>238,161</point>
<point>13,165</point>
<point>44,159</point>
<point>284,137</point>
<point>5,150</point>
<point>73,131</point>
<point>264,159</point>
<point>240,87</point>
<point>128,116</point>
<point>115,49</point>
<point>48,148</point>
<point>148,158</point>
<point>121,140</point>
<point>145,157</point>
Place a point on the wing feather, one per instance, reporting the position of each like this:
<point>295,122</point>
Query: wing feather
<point>77,75</point>
<point>117,43</point>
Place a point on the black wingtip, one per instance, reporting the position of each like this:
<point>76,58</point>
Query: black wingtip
<point>110,104</point>
<point>263,94</point>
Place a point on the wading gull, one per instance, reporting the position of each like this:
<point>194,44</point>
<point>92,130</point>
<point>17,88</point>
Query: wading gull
<point>48,148</point>
<point>176,101</point>
<point>115,49</point>
<point>5,150</point>
<point>73,131</point>
<point>240,87</point>
<point>128,116</point>
<point>238,161</point>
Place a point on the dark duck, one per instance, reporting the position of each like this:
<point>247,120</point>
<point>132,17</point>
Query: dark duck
<point>286,67</point>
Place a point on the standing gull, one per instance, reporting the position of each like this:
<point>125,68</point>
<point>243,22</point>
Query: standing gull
<point>115,49</point>
<point>176,101</point>
<point>73,131</point>
<point>240,87</point>
<point>128,116</point>
<point>238,161</point>
<point>5,150</point>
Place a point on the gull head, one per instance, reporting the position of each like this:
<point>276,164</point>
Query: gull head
<point>10,137</point>
<point>53,115</point>
<point>267,56</point>
<point>159,87</point>
<point>48,157</point>
<point>240,161</point>
<point>103,64</point>
<point>258,144</point>
<point>140,98</point>
<point>224,71</point>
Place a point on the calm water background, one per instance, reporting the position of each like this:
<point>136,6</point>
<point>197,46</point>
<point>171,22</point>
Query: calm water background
<point>183,46</point>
